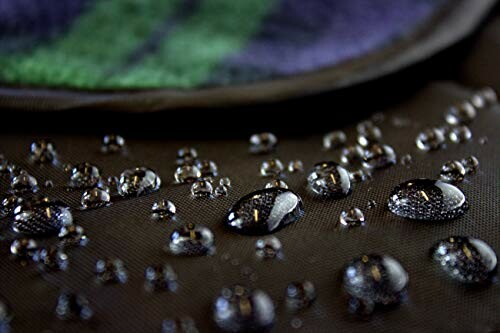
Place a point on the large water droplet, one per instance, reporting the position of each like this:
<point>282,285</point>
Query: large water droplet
<point>458,134</point>
<point>43,151</point>
<point>72,306</point>
<point>239,309</point>
<point>379,156</point>
<point>452,172</point>
<point>375,279</point>
<point>51,258</point>
<point>352,217</point>
<point>112,143</point>
<point>72,235</point>
<point>263,143</point>
<point>138,181</point>
<point>163,210</point>
<point>334,140</point>
<point>84,175</point>
<point>192,240</point>
<point>430,139</point>
<point>24,183</point>
<point>41,216</point>
<point>462,113</point>
<point>202,189</point>
<point>466,259</point>
<point>330,180</point>
<point>427,199</point>
<point>187,174</point>
<point>111,271</point>
<point>300,295</point>
<point>95,198</point>
<point>271,168</point>
<point>160,277</point>
<point>268,247</point>
<point>265,211</point>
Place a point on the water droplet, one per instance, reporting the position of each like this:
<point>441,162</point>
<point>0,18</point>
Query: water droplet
<point>207,168</point>
<point>359,176</point>
<point>371,204</point>
<point>271,168</point>
<point>276,183</point>
<point>471,164</point>
<point>466,259</point>
<point>351,155</point>
<point>295,166</point>
<point>84,175</point>
<point>462,113</point>
<point>112,143</point>
<point>296,323</point>
<point>263,143</point>
<point>48,184</point>
<point>187,174</point>
<point>51,258</point>
<point>138,181</point>
<point>430,139</point>
<point>334,140</point>
<point>192,240</point>
<point>225,181</point>
<point>330,180</point>
<point>452,172</point>
<point>265,211</point>
<point>179,325</point>
<point>186,156</point>
<point>379,156</point>
<point>24,249</point>
<point>221,191</point>
<point>202,189</point>
<point>427,199</point>
<point>160,277</point>
<point>406,159</point>
<point>489,96</point>
<point>369,136</point>
<point>72,306</point>
<point>8,204</point>
<point>163,210</point>
<point>6,316</point>
<point>268,247</point>
<point>483,140</point>
<point>300,295</point>
<point>41,216</point>
<point>111,271</point>
<point>353,217</point>
<point>375,279</point>
<point>240,309</point>
<point>458,134</point>
<point>24,183</point>
<point>73,235</point>
<point>95,198</point>
<point>43,151</point>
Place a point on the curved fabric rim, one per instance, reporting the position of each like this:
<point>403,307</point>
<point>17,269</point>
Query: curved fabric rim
<point>459,20</point>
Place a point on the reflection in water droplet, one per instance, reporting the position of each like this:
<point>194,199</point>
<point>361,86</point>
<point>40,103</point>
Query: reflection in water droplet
<point>187,174</point>
<point>265,211</point>
<point>271,168</point>
<point>334,140</point>
<point>462,113</point>
<point>458,134</point>
<point>192,240</point>
<point>295,166</point>
<point>239,309</point>
<point>43,151</point>
<point>351,155</point>
<point>95,198</point>
<point>23,183</point>
<point>300,295</point>
<point>430,139</point>
<point>84,175</point>
<point>452,172</point>
<point>72,235</point>
<point>207,168</point>
<point>330,180</point>
<point>471,164</point>
<point>51,258</point>
<point>374,280</point>
<point>160,277</point>
<point>41,216</point>
<point>24,249</point>
<point>202,189</point>
<point>111,271</point>
<point>263,143</point>
<point>427,199</point>
<point>276,183</point>
<point>353,217</point>
<point>112,143</point>
<point>466,259</point>
<point>72,306</point>
<point>268,247</point>
<point>138,181</point>
<point>379,156</point>
<point>163,210</point>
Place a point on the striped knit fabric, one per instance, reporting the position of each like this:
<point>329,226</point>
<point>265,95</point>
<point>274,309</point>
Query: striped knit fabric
<point>188,44</point>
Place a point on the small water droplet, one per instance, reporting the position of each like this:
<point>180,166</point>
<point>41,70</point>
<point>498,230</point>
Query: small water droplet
<point>163,210</point>
<point>41,216</point>
<point>95,198</point>
<point>24,249</point>
<point>295,166</point>
<point>379,156</point>
<point>24,183</point>
<point>51,258</point>
<point>240,309</point>
<point>179,325</point>
<point>370,135</point>
<point>160,277</point>
<point>352,217</point>
<point>48,184</point>
<point>461,113</point>
<point>471,164</point>
<point>489,95</point>
<point>466,259</point>
<point>111,271</point>
<point>330,180</point>
<point>300,295</point>
<point>225,181</point>
<point>187,174</point>
<point>296,323</point>
<point>202,189</point>
<point>427,199</point>
<point>265,211</point>
<point>430,139</point>
<point>84,175</point>
<point>371,204</point>
<point>351,155</point>
<point>406,159</point>
<point>221,191</point>
<point>458,134</point>
<point>263,143</point>
<point>72,306</point>
<point>186,156</point>
<point>276,183</point>
<point>483,140</point>
<point>269,247</point>
<point>192,240</point>
<point>271,168</point>
<point>8,204</point>
<point>112,143</point>
<point>207,168</point>
<point>334,140</point>
<point>72,235</point>
<point>375,279</point>
<point>43,151</point>
<point>452,172</point>
<point>138,181</point>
